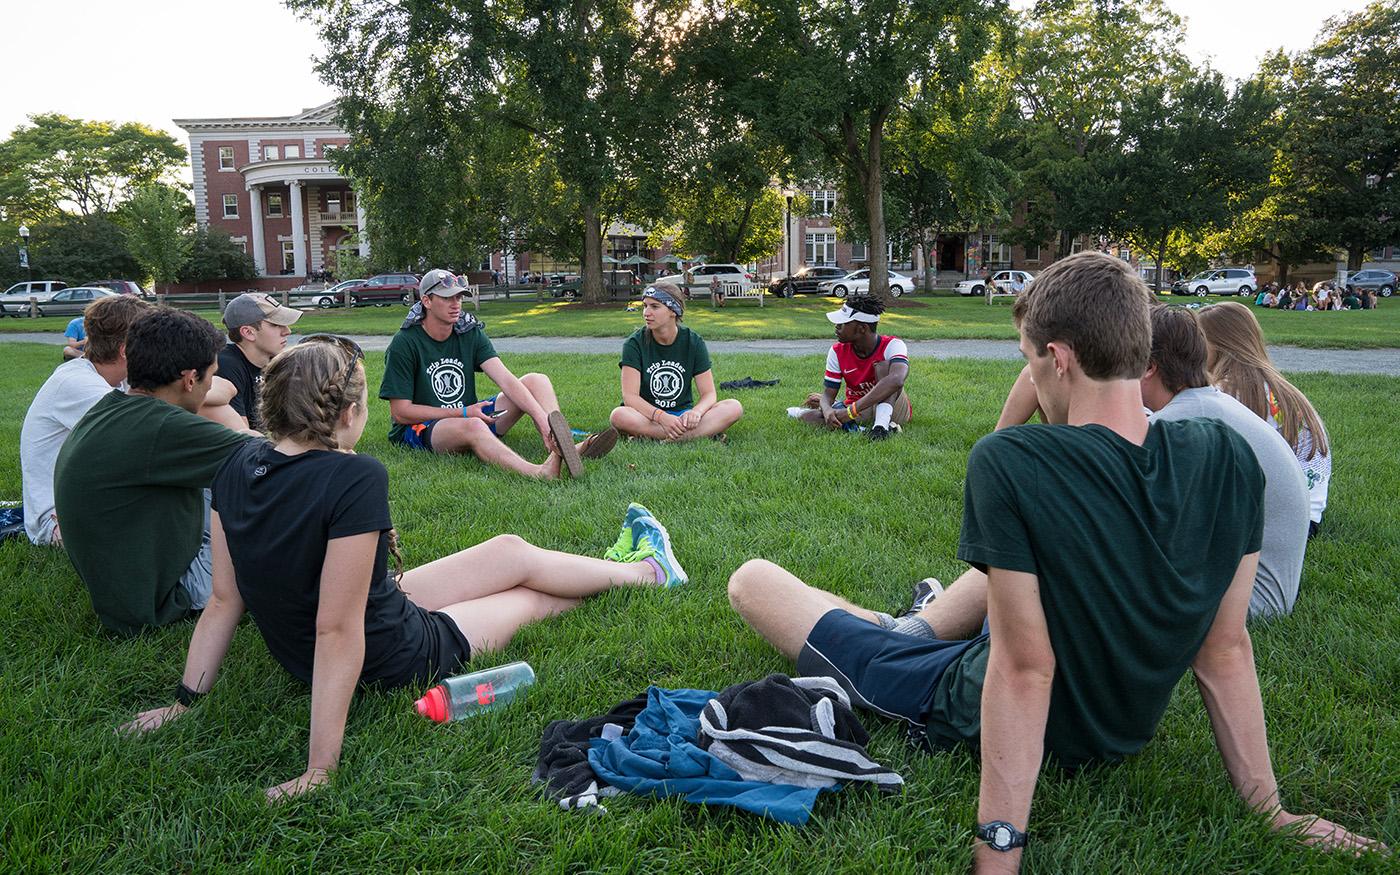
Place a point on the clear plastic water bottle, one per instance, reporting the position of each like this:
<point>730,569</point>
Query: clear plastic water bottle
<point>468,694</point>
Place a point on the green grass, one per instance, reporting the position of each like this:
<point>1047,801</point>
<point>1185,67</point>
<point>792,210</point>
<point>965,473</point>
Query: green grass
<point>924,317</point>
<point>842,513</point>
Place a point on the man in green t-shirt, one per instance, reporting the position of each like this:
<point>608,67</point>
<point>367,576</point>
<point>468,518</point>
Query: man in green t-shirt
<point>429,381</point>
<point>1109,557</point>
<point>131,480</point>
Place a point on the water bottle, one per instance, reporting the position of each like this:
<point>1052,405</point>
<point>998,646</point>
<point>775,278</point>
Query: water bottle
<point>468,694</point>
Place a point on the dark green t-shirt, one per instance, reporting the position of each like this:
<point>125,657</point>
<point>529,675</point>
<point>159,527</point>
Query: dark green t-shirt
<point>1133,548</point>
<point>668,370</point>
<point>128,490</point>
<point>434,373</point>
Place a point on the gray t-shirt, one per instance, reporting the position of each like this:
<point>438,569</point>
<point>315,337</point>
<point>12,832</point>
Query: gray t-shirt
<point>1285,495</point>
<point>69,392</point>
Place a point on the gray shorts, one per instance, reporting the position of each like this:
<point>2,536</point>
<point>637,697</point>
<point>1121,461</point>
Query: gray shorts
<point>198,579</point>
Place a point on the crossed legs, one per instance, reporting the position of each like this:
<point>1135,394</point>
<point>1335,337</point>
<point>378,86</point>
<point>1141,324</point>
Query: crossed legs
<point>716,420</point>
<point>783,610</point>
<point>494,588</point>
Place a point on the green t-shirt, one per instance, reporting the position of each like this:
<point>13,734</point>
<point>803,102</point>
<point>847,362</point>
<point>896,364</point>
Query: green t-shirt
<point>667,370</point>
<point>128,490</point>
<point>434,373</point>
<point>1133,548</point>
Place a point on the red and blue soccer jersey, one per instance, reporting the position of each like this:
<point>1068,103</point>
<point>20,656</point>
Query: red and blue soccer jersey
<point>844,366</point>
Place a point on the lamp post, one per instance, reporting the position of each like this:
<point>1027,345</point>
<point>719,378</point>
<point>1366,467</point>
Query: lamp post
<point>787,233</point>
<point>24,250</point>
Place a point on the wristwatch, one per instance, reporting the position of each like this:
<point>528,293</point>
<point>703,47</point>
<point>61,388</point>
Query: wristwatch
<point>1001,836</point>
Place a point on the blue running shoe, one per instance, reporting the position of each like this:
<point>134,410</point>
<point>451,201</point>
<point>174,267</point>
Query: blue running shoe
<point>628,538</point>
<point>654,542</point>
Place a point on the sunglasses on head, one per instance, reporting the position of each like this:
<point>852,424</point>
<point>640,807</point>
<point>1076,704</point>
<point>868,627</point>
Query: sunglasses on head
<point>356,354</point>
<point>445,280</point>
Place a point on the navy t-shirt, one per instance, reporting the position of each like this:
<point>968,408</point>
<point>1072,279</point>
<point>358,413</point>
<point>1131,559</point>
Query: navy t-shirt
<point>278,512</point>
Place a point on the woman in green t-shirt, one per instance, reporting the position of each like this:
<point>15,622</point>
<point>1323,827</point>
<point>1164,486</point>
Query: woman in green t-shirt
<point>659,361</point>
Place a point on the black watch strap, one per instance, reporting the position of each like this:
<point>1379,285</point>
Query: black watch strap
<point>186,696</point>
<point>1001,836</point>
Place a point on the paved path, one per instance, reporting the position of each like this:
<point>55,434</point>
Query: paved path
<point>1289,358</point>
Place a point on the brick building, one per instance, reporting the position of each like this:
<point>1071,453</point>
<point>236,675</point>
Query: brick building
<point>269,183</point>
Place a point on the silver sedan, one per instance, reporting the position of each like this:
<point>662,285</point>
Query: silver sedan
<point>67,302</point>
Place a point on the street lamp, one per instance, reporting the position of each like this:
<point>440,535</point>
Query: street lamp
<point>24,250</point>
<point>788,195</point>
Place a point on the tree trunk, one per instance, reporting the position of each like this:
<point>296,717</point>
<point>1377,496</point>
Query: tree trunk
<point>593,290</point>
<point>929,275</point>
<point>1355,255</point>
<point>1161,254</point>
<point>875,210</point>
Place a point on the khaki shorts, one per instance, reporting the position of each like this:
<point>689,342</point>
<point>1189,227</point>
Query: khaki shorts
<point>903,409</point>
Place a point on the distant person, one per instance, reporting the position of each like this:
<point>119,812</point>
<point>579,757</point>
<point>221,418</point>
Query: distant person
<point>304,540</point>
<point>1175,386</point>
<point>430,383</point>
<point>873,367</point>
<point>1368,299</point>
<point>1239,365</point>
<point>257,330</point>
<point>76,339</point>
<point>660,362</point>
<point>70,392</point>
<point>131,481</point>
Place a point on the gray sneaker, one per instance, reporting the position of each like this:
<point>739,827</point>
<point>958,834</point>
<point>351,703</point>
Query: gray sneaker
<point>925,591</point>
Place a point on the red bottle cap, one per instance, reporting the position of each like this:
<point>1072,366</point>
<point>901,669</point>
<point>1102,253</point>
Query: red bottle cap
<point>433,705</point>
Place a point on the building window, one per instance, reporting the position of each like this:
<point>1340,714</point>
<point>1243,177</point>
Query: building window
<point>274,206</point>
<point>859,252</point>
<point>270,153</point>
<point>1033,252</point>
<point>1077,246</point>
<point>1378,254</point>
<point>1124,253</point>
<point>998,251</point>
<point>293,151</point>
<point>823,201</point>
<point>333,202</point>
<point>289,257</point>
<point>230,206</point>
<point>226,158</point>
<point>821,248</point>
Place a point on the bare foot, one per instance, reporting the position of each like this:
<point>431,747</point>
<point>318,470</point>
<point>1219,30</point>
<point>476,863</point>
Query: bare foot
<point>549,470</point>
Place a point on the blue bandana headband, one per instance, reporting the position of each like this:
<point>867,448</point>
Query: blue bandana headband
<point>665,298</point>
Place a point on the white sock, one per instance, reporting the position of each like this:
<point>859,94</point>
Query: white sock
<point>796,412</point>
<point>883,411</point>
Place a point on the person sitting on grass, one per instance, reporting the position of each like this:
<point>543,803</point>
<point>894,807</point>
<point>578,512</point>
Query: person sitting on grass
<point>302,540</point>
<point>76,342</point>
<point>1239,365</point>
<point>430,384</point>
<point>872,365</point>
<point>130,482</point>
<point>659,362</point>
<point>257,330</point>
<point>1109,556</point>
<point>70,392</point>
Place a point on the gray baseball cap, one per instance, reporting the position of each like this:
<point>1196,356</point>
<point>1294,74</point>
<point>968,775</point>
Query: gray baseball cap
<point>250,308</point>
<point>440,282</point>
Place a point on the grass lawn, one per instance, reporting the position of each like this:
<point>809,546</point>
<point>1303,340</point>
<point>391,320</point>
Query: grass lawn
<point>863,519</point>
<point>925,317</point>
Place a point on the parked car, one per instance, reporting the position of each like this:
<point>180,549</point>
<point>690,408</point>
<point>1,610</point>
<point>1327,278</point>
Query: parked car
<point>121,287</point>
<point>804,281</point>
<point>857,282</point>
<point>1382,282</point>
<point>384,289</point>
<point>703,274</point>
<point>612,279</point>
<point>64,302</point>
<point>323,298</point>
<point>1002,279</point>
<point>40,289</point>
<point>1222,281</point>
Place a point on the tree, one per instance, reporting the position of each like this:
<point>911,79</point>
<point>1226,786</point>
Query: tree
<point>1189,155</point>
<point>214,256</point>
<point>1076,60</point>
<point>56,161</point>
<point>79,249</point>
<point>156,220</point>
<point>1342,124</point>
<point>834,75</point>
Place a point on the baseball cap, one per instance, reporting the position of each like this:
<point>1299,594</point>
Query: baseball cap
<point>251,308</point>
<point>440,282</point>
<point>846,314</point>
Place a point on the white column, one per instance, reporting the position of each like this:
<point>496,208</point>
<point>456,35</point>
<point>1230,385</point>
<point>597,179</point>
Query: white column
<point>298,230</point>
<point>360,229</point>
<point>259,246</point>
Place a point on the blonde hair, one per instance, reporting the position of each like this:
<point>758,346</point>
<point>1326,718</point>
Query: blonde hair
<point>305,390</point>
<point>1239,365</point>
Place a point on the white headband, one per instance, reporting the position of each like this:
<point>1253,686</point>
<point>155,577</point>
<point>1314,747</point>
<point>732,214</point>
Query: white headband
<point>846,314</point>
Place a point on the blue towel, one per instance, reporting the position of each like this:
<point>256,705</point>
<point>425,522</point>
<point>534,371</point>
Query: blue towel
<point>659,757</point>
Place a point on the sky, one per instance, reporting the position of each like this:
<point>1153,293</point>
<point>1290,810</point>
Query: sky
<point>157,60</point>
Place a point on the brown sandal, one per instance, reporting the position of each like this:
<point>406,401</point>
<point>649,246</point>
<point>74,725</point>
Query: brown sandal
<point>598,444</point>
<point>564,440</point>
